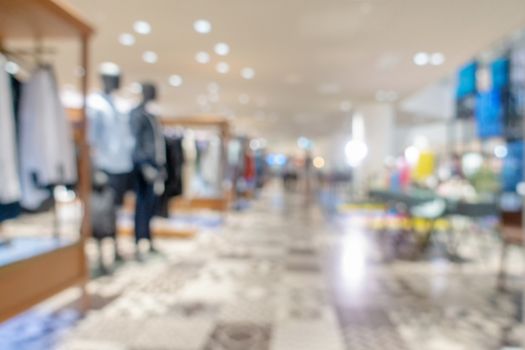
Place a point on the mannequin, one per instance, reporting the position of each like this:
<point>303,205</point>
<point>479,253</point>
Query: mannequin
<point>149,160</point>
<point>111,140</point>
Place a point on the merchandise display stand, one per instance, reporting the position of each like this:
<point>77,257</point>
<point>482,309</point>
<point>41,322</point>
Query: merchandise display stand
<point>30,281</point>
<point>198,122</point>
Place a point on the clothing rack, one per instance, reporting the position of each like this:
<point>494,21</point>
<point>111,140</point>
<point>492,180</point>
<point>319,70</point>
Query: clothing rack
<point>199,122</point>
<point>30,281</point>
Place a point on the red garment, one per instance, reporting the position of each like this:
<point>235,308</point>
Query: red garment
<point>249,167</point>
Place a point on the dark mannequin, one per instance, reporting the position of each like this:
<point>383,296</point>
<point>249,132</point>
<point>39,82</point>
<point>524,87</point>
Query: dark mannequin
<point>148,164</point>
<point>110,82</point>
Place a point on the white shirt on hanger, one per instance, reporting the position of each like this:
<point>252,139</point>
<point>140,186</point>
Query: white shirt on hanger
<point>9,181</point>
<point>47,151</point>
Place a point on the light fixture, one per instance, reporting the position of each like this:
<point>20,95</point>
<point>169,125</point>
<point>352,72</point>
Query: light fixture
<point>318,162</point>
<point>109,68</point>
<point>202,26</point>
<point>222,67</point>
<point>345,106</point>
<point>135,88</point>
<point>126,39</point>
<point>412,155</point>
<point>355,151</point>
<point>248,73</point>
<point>11,67</point>
<point>500,151</point>
<point>244,99</point>
<point>421,58</point>
<point>142,27</point>
<point>202,57</point>
<point>437,59</point>
<point>213,87</point>
<point>175,80</point>
<point>222,49</point>
<point>150,57</point>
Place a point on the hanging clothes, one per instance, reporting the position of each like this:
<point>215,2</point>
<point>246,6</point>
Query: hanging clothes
<point>9,179</point>
<point>47,151</point>
<point>210,167</point>
<point>110,135</point>
<point>174,173</point>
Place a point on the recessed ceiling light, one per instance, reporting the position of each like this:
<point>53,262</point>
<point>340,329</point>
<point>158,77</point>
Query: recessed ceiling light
<point>202,57</point>
<point>11,67</point>
<point>202,100</point>
<point>202,26</point>
<point>135,88</point>
<point>175,80</point>
<point>244,99</point>
<point>345,106</point>
<point>150,57</point>
<point>142,27</point>
<point>421,58</point>
<point>109,68</point>
<point>126,39</point>
<point>248,73</point>
<point>222,67</point>
<point>213,87</point>
<point>437,59</point>
<point>222,49</point>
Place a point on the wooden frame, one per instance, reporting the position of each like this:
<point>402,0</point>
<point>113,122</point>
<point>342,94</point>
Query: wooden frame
<point>28,282</point>
<point>204,121</point>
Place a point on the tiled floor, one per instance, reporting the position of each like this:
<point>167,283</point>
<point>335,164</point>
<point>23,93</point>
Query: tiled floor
<point>282,276</point>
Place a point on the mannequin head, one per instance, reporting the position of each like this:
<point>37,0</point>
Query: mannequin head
<point>110,75</point>
<point>110,82</point>
<point>149,92</point>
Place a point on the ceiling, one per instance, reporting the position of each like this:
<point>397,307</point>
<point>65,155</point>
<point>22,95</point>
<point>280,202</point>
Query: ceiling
<point>308,55</point>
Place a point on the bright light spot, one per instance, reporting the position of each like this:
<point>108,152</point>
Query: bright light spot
<point>11,67</point>
<point>135,88</point>
<point>222,49</point>
<point>222,67</point>
<point>318,162</point>
<point>471,163</point>
<point>244,99</point>
<point>142,27</point>
<point>213,87</point>
<point>355,151</point>
<point>500,151</point>
<point>256,144</point>
<point>421,58</point>
<point>412,155</point>
<point>345,106</point>
<point>437,59</point>
<point>109,68</point>
<point>202,57</point>
<point>126,39</point>
<point>202,26</point>
<point>304,143</point>
<point>175,80</point>
<point>150,57</point>
<point>248,73</point>
<point>202,100</point>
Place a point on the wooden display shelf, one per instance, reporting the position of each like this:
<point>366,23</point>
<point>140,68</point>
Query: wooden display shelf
<point>162,232</point>
<point>27,282</point>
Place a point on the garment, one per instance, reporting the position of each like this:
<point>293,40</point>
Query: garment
<point>103,213</point>
<point>47,151</point>
<point>149,153</point>
<point>110,135</point>
<point>9,180</point>
<point>120,184</point>
<point>150,147</point>
<point>174,173</point>
<point>145,205</point>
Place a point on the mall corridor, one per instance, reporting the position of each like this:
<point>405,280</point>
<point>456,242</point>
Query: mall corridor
<point>283,275</point>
